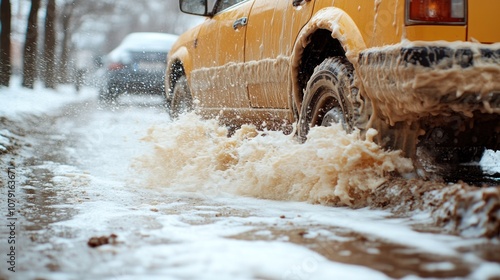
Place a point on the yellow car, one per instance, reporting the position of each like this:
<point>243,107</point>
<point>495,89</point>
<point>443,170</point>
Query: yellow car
<point>424,73</point>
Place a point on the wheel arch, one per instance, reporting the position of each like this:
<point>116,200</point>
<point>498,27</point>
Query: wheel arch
<point>179,64</point>
<point>330,32</point>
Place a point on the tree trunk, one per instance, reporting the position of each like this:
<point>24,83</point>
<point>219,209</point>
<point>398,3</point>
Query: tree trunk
<point>49,45</point>
<point>66,17</point>
<point>30,46</point>
<point>65,51</point>
<point>5,62</point>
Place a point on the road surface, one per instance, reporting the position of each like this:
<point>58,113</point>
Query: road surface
<point>122,192</point>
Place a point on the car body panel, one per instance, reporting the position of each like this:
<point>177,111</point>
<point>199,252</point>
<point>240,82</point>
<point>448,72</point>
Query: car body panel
<point>379,22</point>
<point>483,21</point>
<point>182,52</point>
<point>217,81</point>
<point>267,65</point>
<point>436,33</point>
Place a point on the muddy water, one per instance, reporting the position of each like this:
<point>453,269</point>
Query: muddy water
<point>64,169</point>
<point>41,187</point>
<point>331,168</point>
<point>394,260</point>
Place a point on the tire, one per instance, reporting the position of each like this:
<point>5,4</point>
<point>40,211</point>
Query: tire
<point>329,97</point>
<point>182,101</point>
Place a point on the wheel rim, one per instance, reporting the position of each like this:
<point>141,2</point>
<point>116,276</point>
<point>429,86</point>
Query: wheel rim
<point>327,97</point>
<point>334,116</point>
<point>328,111</point>
<point>324,110</point>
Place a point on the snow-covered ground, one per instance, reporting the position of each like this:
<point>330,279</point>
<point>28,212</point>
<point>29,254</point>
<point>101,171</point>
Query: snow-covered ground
<point>18,101</point>
<point>187,202</point>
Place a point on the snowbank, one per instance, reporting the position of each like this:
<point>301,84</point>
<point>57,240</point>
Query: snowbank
<point>18,101</point>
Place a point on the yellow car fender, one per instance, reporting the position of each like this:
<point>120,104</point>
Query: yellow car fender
<point>182,56</point>
<point>182,53</point>
<point>343,28</point>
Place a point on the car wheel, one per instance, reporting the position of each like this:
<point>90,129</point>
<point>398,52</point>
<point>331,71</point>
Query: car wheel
<point>328,97</point>
<point>182,101</point>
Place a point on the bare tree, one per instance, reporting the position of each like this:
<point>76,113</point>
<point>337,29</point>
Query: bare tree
<point>73,14</point>
<point>30,46</point>
<point>113,18</point>
<point>49,45</point>
<point>66,17</point>
<point>5,47</point>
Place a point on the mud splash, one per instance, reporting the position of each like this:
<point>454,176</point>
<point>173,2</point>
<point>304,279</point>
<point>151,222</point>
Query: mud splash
<point>229,77</point>
<point>458,77</point>
<point>458,208</point>
<point>331,168</point>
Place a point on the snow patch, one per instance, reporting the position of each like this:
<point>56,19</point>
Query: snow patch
<point>4,141</point>
<point>18,101</point>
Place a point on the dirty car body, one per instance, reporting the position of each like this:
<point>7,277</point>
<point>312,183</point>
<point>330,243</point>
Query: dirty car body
<point>424,73</point>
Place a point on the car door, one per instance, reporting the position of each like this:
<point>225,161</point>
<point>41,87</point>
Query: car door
<point>218,80</point>
<point>483,21</point>
<point>273,27</point>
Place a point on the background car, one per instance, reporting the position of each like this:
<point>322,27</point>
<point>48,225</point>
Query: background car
<point>137,65</point>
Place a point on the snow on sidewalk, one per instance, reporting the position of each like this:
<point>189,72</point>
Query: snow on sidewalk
<point>17,101</point>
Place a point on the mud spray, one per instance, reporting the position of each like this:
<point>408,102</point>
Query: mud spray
<point>331,168</point>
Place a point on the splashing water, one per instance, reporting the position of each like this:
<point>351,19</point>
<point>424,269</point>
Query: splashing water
<point>331,167</point>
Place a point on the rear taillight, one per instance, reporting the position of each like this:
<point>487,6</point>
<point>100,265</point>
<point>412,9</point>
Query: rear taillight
<point>116,66</point>
<point>435,11</point>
